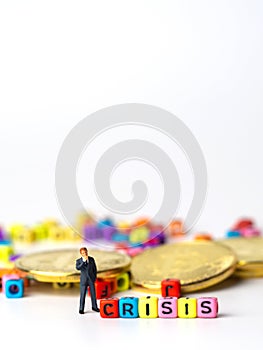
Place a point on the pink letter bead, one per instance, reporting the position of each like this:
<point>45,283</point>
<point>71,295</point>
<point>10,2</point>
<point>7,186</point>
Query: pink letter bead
<point>6,277</point>
<point>207,307</point>
<point>250,232</point>
<point>167,307</point>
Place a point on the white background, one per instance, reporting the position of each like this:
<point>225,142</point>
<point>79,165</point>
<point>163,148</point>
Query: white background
<point>202,61</point>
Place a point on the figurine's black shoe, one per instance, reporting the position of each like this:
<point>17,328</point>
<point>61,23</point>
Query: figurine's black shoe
<point>81,312</point>
<point>96,309</point>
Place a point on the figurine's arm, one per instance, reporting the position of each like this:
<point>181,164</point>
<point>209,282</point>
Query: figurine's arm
<point>79,264</point>
<point>94,269</point>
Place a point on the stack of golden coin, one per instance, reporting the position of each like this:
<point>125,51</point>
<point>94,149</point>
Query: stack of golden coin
<point>59,265</point>
<point>249,252</point>
<point>197,264</point>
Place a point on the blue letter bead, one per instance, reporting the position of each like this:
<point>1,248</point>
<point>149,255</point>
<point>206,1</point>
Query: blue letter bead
<point>14,288</point>
<point>128,307</point>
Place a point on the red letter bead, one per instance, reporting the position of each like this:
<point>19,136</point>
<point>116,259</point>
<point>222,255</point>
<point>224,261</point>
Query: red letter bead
<point>243,223</point>
<point>113,284</point>
<point>167,307</point>
<point>103,289</point>
<point>109,308</point>
<point>207,307</point>
<point>171,288</point>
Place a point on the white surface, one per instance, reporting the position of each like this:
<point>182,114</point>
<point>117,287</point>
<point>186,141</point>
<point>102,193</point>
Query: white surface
<point>48,317</point>
<point>62,60</point>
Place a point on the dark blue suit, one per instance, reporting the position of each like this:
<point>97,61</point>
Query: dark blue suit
<point>88,275</point>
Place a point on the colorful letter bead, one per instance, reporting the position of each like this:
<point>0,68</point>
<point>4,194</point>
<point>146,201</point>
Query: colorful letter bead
<point>72,235</point>
<point>109,308</point>
<point>250,232</point>
<point>187,307</point>
<point>167,307</point>
<point>103,289</point>
<point>91,231</point>
<point>207,307</point>
<point>133,251</point>
<point>113,284</point>
<point>6,250</point>
<point>119,237</point>
<point>139,234</point>
<point>175,228</point>
<point>128,307</point>
<point>203,237</point>
<point>148,307</point>
<point>6,277</point>
<point>171,288</point>
<point>123,282</point>
<point>56,233</point>
<point>14,288</point>
<point>243,223</point>
<point>233,234</point>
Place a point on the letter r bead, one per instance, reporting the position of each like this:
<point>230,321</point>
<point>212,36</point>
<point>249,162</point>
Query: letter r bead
<point>171,287</point>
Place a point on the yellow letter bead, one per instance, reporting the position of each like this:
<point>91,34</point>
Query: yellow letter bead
<point>6,250</point>
<point>72,235</point>
<point>25,235</point>
<point>148,307</point>
<point>123,281</point>
<point>40,232</point>
<point>187,307</point>
<point>56,233</point>
<point>140,234</point>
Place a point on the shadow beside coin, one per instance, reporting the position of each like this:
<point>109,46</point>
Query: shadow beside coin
<point>228,283</point>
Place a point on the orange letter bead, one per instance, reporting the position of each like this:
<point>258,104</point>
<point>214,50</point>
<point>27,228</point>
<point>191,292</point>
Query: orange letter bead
<point>171,288</point>
<point>109,308</point>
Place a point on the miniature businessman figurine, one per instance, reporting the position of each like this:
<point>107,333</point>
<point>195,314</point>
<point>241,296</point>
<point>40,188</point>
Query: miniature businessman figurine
<point>88,274</point>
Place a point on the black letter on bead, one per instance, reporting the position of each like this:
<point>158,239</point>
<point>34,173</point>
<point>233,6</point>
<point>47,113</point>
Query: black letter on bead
<point>167,290</point>
<point>104,292</point>
<point>205,306</point>
<point>186,309</point>
<point>170,310</point>
<point>127,307</point>
<point>105,309</point>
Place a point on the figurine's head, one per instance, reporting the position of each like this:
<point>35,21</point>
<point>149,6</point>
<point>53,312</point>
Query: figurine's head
<point>83,251</point>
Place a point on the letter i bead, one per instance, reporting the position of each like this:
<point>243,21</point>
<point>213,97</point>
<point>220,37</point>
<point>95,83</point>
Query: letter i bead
<point>148,307</point>
<point>207,307</point>
<point>167,307</point>
<point>187,307</point>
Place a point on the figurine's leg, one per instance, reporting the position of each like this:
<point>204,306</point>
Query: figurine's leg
<point>83,292</point>
<point>93,296</point>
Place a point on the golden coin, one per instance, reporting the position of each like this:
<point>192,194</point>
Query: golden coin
<point>248,273</point>
<point>74,278</point>
<point>197,264</point>
<point>249,251</point>
<point>52,279</point>
<point>59,263</point>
